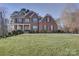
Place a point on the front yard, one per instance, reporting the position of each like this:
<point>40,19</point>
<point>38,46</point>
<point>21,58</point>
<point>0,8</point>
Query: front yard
<point>40,44</point>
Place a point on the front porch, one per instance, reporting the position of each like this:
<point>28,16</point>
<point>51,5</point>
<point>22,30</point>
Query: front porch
<point>23,27</point>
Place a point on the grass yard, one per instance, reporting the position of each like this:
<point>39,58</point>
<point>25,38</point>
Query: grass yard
<point>40,44</point>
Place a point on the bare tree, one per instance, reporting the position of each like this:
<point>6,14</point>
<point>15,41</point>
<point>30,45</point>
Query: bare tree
<point>70,18</point>
<point>3,26</point>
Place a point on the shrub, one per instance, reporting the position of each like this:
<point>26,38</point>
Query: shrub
<point>4,36</point>
<point>34,31</point>
<point>17,32</point>
<point>60,31</point>
<point>27,31</point>
<point>14,32</point>
<point>10,34</point>
<point>30,31</point>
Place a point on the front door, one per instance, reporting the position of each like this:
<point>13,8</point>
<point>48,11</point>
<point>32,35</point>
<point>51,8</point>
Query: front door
<point>26,27</point>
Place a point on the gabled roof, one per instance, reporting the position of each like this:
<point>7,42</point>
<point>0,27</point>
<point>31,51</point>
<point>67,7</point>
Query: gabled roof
<point>50,18</point>
<point>14,14</point>
<point>24,14</point>
<point>31,14</point>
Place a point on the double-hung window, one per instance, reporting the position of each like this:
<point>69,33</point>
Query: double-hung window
<point>35,20</point>
<point>35,27</point>
<point>26,20</point>
<point>45,27</point>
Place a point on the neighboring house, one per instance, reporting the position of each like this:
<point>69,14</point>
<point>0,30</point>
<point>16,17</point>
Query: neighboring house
<point>27,20</point>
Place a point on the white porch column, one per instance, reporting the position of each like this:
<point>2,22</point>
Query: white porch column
<point>51,27</point>
<point>17,27</point>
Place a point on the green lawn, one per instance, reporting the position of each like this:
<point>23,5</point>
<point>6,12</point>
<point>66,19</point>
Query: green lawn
<point>40,44</point>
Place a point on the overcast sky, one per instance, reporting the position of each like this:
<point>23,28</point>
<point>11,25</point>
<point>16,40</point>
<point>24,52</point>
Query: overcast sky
<point>54,9</point>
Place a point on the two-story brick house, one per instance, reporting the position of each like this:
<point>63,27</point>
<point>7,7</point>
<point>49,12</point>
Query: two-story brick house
<point>27,20</point>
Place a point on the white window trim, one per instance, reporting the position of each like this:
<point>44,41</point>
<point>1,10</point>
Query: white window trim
<point>27,20</point>
<point>36,20</point>
<point>35,27</point>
